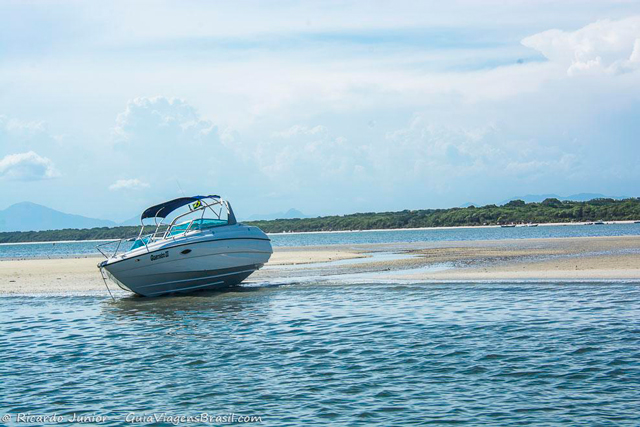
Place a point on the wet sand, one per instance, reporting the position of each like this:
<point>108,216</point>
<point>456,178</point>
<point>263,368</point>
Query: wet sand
<point>591,258</point>
<point>70,275</point>
<point>568,259</point>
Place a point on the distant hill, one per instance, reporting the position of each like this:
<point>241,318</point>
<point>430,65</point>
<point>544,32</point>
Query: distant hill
<point>27,216</point>
<point>290,214</point>
<point>131,221</point>
<point>580,197</point>
<point>521,213</point>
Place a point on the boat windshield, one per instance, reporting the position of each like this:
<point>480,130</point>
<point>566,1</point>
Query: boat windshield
<point>196,224</point>
<point>140,242</point>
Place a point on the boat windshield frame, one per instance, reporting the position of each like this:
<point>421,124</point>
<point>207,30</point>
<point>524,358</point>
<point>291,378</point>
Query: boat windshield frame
<point>204,204</point>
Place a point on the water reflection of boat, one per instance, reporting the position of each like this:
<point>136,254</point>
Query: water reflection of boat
<point>216,303</point>
<point>193,252</point>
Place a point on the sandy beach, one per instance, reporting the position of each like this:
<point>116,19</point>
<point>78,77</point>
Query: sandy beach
<point>569,259</point>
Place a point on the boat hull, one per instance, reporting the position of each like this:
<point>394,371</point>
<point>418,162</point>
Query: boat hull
<point>188,282</point>
<point>190,265</point>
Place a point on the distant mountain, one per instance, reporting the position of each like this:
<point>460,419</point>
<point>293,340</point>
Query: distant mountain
<point>466,205</point>
<point>580,197</point>
<point>290,214</point>
<point>131,221</point>
<point>27,216</point>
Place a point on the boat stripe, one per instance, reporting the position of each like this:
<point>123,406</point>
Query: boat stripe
<point>196,279</point>
<point>185,244</point>
<point>185,289</point>
<point>166,261</point>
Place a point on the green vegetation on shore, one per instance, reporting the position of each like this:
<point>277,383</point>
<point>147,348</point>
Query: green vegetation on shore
<point>516,211</point>
<point>99,233</point>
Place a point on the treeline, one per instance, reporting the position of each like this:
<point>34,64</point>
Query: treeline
<point>99,233</point>
<point>516,211</point>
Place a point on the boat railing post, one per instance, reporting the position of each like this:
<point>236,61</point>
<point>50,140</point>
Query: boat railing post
<point>117,247</point>
<point>100,250</point>
<point>141,237</point>
<point>188,227</point>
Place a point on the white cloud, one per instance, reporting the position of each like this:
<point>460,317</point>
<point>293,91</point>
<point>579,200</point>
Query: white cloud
<point>20,127</point>
<point>298,130</point>
<point>17,134</point>
<point>258,88</point>
<point>166,139</point>
<point>300,155</point>
<point>128,184</point>
<point>603,46</point>
<point>162,117</point>
<point>442,157</point>
<point>27,166</point>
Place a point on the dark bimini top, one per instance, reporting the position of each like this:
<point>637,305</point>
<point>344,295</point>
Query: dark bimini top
<point>164,209</point>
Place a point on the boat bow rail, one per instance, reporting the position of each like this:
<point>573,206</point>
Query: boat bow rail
<point>101,247</point>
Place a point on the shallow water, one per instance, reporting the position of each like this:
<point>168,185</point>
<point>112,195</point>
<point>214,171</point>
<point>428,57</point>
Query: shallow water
<point>358,354</point>
<point>44,250</point>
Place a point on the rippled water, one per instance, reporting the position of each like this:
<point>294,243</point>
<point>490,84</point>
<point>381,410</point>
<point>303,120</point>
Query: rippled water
<point>453,234</point>
<point>385,354</point>
<point>44,250</point>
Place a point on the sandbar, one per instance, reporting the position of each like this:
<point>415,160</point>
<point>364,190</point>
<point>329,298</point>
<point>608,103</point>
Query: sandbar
<point>561,259</point>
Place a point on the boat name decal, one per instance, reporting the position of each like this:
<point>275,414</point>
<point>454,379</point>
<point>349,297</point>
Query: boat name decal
<point>164,254</point>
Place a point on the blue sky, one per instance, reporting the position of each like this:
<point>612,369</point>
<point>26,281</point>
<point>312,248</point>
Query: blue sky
<point>329,107</point>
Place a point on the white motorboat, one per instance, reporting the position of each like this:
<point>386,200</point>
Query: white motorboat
<point>202,248</point>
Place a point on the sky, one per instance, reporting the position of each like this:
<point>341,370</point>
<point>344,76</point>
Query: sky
<point>329,107</point>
